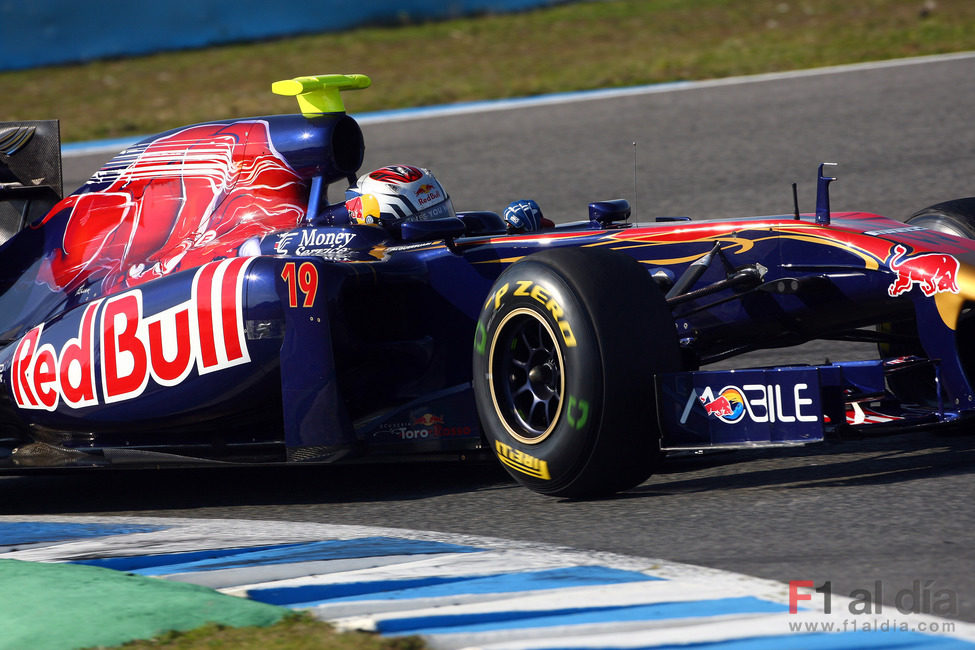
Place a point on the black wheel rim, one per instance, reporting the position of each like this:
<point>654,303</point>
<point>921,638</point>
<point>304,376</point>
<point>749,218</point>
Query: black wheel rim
<point>527,379</point>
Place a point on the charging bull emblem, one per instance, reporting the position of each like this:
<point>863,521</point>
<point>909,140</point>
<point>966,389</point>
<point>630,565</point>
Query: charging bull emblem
<point>728,407</point>
<point>428,419</point>
<point>932,272</point>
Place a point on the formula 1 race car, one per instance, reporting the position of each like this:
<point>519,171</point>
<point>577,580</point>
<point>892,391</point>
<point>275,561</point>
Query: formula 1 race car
<point>198,300</point>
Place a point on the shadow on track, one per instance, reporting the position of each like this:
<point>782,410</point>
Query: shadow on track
<point>875,461</point>
<point>117,490</point>
<point>867,461</point>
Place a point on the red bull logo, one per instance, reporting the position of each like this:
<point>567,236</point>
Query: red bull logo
<point>363,209</point>
<point>354,206</point>
<point>428,420</point>
<point>427,194</point>
<point>932,272</point>
<point>720,407</point>
<point>129,349</point>
<point>729,406</point>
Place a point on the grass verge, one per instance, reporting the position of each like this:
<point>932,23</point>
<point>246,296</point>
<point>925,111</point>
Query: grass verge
<point>575,46</point>
<point>299,631</point>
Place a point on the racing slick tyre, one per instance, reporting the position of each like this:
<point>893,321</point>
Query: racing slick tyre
<point>565,353</point>
<point>953,217</point>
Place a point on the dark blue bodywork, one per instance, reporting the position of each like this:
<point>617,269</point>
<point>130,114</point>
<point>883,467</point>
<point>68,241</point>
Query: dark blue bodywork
<point>197,300</point>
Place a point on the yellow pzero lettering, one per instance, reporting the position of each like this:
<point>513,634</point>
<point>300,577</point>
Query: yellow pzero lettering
<point>530,289</point>
<point>538,293</point>
<point>522,289</point>
<point>555,308</point>
<point>522,462</point>
<point>498,295</point>
<point>567,335</point>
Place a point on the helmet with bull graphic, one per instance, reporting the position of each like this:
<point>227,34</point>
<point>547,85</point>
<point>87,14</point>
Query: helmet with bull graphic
<point>396,193</point>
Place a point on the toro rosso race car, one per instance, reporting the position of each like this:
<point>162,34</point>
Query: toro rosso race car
<point>198,300</point>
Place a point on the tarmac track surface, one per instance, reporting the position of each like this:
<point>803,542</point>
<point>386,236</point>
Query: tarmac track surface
<point>894,510</point>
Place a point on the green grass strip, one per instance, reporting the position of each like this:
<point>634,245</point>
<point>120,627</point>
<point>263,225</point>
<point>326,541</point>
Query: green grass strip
<point>54,606</point>
<point>576,46</point>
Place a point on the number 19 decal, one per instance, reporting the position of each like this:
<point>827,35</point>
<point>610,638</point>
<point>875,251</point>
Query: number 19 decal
<point>304,279</point>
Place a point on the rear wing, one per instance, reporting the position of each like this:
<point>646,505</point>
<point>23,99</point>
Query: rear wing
<point>30,172</point>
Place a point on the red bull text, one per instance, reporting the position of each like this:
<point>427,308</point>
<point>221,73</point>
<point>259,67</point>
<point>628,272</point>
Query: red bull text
<point>129,348</point>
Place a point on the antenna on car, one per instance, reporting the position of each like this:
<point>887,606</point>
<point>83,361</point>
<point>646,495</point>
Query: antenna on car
<point>636,202</point>
<point>795,201</point>
<point>822,196</point>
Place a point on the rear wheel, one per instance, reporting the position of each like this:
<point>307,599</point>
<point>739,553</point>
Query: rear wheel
<point>566,348</point>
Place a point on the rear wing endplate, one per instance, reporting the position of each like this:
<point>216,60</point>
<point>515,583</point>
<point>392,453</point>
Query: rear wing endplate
<point>30,172</point>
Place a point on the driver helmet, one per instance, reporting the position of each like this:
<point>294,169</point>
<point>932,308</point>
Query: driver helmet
<point>397,193</point>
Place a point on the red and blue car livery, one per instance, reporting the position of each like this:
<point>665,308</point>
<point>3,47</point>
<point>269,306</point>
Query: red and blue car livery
<point>196,301</point>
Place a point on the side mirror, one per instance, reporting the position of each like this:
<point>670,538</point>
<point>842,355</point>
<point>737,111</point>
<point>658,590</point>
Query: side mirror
<point>432,230</point>
<point>483,223</point>
<point>603,214</point>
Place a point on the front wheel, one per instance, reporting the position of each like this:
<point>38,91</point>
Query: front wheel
<point>919,385</point>
<point>955,217</point>
<point>566,349</point>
